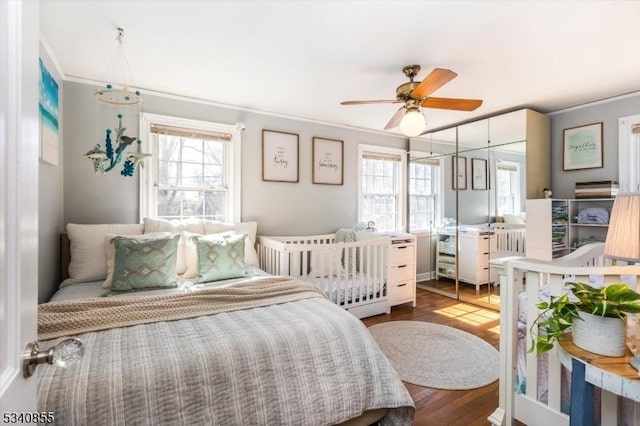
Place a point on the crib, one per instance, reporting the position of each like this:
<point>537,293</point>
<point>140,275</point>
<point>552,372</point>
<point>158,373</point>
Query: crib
<point>353,275</point>
<point>586,264</point>
<point>509,239</point>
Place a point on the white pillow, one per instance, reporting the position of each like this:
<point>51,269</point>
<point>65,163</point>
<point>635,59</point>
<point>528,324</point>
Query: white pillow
<point>513,219</point>
<point>111,251</point>
<point>193,225</point>
<point>249,228</point>
<point>174,226</point>
<point>325,263</point>
<point>88,258</point>
<point>191,252</point>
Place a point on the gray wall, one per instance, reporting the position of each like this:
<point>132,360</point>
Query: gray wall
<point>50,196</point>
<point>279,208</point>
<point>563,182</point>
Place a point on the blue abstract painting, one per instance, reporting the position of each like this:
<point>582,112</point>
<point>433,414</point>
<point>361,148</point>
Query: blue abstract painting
<point>48,104</point>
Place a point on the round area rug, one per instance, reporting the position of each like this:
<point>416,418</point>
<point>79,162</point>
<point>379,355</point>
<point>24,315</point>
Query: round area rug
<point>437,356</point>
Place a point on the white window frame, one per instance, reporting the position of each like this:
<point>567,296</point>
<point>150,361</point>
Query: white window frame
<point>438,197</point>
<point>514,186</point>
<point>148,174</point>
<point>628,154</point>
<point>401,182</point>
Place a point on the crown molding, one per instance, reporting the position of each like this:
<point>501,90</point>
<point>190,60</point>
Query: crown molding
<point>54,60</point>
<point>594,103</point>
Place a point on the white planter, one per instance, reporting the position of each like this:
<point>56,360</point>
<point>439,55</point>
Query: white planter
<point>600,335</point>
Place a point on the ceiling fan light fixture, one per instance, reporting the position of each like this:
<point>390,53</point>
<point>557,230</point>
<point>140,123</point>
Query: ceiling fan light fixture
<point>413,123</point>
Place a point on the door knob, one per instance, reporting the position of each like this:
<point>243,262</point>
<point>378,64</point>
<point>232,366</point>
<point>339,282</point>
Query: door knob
<point>65,353</point>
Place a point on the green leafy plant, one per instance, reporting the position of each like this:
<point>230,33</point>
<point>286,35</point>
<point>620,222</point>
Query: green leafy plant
<point>558,314</point>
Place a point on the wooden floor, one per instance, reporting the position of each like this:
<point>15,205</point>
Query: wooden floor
<point>444,407</point>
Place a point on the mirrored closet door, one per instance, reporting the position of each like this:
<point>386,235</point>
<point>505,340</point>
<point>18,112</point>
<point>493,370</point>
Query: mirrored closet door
<point>469,208</point>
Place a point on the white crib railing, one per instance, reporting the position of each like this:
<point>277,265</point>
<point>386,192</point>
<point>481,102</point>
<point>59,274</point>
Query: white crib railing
<point>525,275</point>
<point>353,275</point>
<point>509,240</point>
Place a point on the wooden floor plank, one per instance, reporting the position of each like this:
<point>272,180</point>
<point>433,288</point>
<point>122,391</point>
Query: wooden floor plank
<point>435,407</point>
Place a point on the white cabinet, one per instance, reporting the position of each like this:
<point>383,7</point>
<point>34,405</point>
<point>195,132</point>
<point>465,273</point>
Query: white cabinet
<point>401,274</point>
<point>475,250</point>
<point>588,220</point>
<point>555,227</point>
<point>547,229</point>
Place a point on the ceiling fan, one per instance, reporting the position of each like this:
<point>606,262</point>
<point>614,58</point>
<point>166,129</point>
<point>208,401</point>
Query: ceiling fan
<point>415,94</point>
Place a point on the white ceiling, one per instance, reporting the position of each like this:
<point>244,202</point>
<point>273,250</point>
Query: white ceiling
<point>302,58</point>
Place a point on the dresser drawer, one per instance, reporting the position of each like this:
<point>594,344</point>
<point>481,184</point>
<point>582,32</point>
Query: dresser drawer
<point>401,254</point>
<point>402,292</point>
<point>402,273</point>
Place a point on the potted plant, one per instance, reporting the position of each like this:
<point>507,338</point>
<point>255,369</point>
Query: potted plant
<point>598,317</point>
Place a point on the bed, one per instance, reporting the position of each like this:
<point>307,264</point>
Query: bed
<point>351,273</point>
<point>257,349</point>
<point>535,390</point>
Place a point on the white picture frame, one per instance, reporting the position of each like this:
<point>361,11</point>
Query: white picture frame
<point>583,147</point>
<point>479,174</point>
<point>327,159</point>
<point>459,172</point>
<point>280,156</point>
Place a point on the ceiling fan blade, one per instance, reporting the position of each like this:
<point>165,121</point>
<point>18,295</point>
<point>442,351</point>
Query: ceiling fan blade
<point>452,103</point>
<point>386,101</point>
<point>435,80</point>
<point>397,117</point>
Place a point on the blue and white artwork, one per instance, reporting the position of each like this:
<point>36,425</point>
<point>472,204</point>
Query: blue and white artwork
<point>48,104</point>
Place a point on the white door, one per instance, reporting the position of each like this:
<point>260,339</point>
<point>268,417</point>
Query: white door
<point>19,136</point>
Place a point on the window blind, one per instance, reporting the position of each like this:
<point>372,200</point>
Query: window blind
<point>367,155</point>
<point>425,161</point>
<point>162,129</point>
<point>507,167</point>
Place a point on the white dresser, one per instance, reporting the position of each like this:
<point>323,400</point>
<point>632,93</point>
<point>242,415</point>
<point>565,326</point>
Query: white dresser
<point>475,249</point>
<point>401,274</point>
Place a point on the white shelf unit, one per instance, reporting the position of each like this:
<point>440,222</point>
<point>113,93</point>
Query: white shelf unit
<point>402,270</point>
<point>547,228</point>
<point>583,233</point>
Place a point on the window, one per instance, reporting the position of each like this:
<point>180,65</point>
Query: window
<point>424,191</point>
<point>381,187</point>
<point>195,169</point>
<point>629,153</point>
<point>507,187</point>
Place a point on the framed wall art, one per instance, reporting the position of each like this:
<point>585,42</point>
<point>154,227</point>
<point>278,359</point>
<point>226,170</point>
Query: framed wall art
<point>479,174</point>
<point>583,147</point>
<point>459,172</point>
<point>327,160</point>
<point>280,155</point>
<point>48,107</point>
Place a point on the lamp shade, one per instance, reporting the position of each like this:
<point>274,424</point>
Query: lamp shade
<point>413,123</point>
<point>623,236</point>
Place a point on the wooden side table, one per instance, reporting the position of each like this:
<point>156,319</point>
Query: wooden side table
<point>588,370</point>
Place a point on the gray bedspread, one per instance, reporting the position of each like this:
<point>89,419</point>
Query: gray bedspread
<point>306,362</point>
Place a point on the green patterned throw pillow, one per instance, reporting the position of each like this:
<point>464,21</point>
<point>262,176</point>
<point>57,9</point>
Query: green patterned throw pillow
<point>144,264</point>
<point>220,257</point>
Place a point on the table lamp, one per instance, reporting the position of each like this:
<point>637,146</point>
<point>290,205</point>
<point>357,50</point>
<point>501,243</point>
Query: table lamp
<point>623,236</point>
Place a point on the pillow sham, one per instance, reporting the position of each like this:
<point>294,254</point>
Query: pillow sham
<point>111,251</point>
<point>144,264</point>
<point>191,252</point>
<point>194,225</point>
<point>220,257</point>
<point>88,261</point>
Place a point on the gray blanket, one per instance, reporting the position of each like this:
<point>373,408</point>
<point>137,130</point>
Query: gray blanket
<point>306,362</point>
